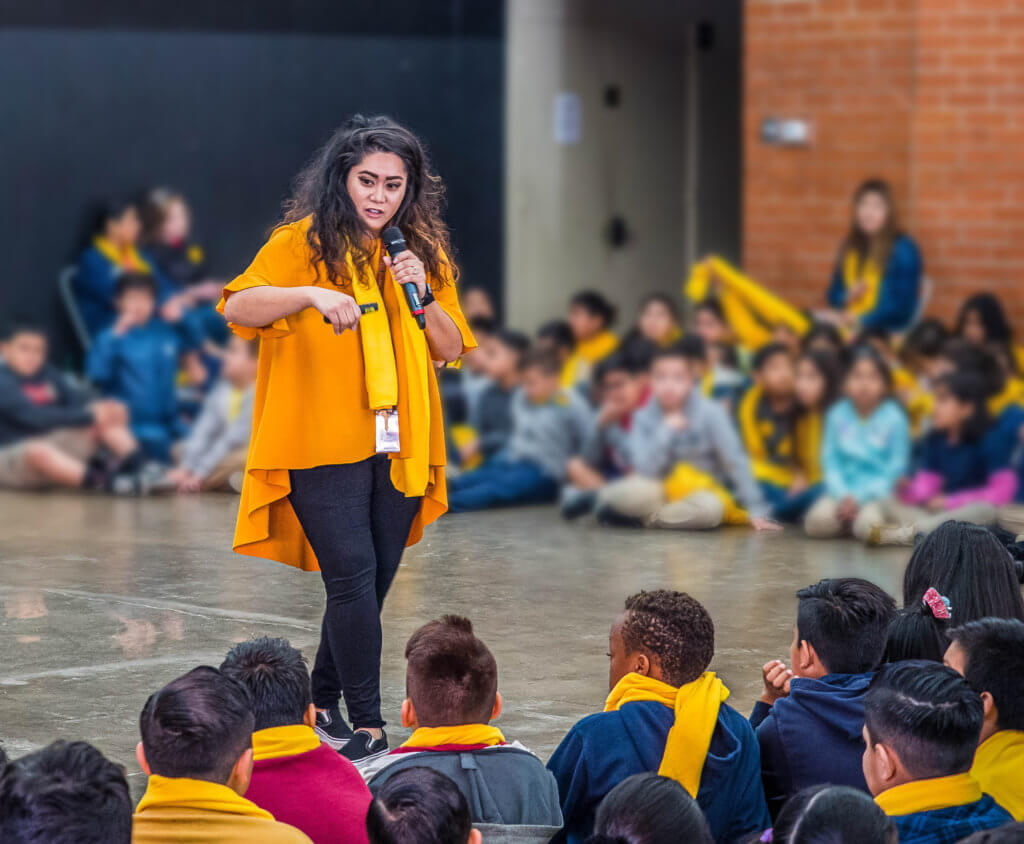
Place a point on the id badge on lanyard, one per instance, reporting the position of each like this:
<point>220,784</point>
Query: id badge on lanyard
<point>387,433</point>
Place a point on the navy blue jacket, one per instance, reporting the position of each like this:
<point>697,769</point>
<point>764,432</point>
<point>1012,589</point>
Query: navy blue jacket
<point>899,288</point>
<point>603,749</point>
<point>813,736</point>
<point>139,367</point>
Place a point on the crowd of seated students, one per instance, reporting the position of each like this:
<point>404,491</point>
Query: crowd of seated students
<point>164,402</point>
<point>870,732</point>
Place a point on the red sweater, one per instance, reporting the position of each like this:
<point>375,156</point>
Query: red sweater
<point>318,791</point>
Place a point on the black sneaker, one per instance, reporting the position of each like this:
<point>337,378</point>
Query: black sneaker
<point>363,747</point>
<point>331,727</point>
<point>612,518</point>
<point>577,502</point>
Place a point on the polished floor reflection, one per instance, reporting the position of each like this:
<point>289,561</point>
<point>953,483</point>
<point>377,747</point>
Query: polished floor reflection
<point>104,600</point>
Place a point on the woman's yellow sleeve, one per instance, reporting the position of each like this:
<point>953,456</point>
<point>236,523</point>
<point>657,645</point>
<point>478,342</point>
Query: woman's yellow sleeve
<point>448,298</point>
<point>283,261</point>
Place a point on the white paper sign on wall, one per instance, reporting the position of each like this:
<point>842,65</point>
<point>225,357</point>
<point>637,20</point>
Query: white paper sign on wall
<point>568,118</point>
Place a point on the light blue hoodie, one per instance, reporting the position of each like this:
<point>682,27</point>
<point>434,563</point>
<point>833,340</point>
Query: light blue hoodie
<point>864,458</point>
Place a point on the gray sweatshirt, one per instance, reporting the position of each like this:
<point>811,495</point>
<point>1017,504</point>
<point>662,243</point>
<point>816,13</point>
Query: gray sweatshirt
<point>709,443</point>
<point>216,433</point>
<point>549,434</point>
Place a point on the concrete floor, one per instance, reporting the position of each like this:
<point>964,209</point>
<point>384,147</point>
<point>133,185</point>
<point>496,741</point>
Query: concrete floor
<point>105,600</point>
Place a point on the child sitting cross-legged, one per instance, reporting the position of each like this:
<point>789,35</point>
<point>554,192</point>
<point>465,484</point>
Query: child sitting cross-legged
<point>990,655</point>
<point>549,426</point>
<point>809,717</point>
<point>922,722</point>
<point>666,713</point>
<point>452,686</point>
<point>690,471</point>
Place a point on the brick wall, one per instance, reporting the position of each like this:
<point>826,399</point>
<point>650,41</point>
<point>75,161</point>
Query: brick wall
<point>928,94</point>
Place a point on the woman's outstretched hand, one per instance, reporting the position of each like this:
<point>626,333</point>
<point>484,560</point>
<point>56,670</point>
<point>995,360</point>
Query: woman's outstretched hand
<point>339,309</point>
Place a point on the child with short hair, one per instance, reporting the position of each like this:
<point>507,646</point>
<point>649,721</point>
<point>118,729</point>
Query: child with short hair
<point>591,317</point>
<point>65,792</point>
<point>990,655</point>
<point>621,389</point>
<point>767,416</point>
<point>420,806</point>
<point>922,722</point>
<point>136,361</point>
<point>657,322</point>
<point>452,696</point>
<point>52,433</point>
<point>665,713</point>
<point>490,422</point>
<point>549,426</point>
<point>213,455</point>
<point>197,751</point>
<point>809,716</point>
<point>866,452</point>
<point>687,459</point>
<point>963,473</point>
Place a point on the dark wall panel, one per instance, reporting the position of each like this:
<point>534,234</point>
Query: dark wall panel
<point>227,117</point>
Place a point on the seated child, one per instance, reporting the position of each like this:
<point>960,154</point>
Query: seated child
<point>295,777</point>
<point>819,375</point>
<point>915,396</point>
<point>964,469</point>
<point>216,448</point>
<point>657,323</point>
<point>477,302</point>
<point>66,792</point>
<point>54,434</point>
<point>922,722</point>
<point>982,321</point>
<point>921,349</point>
<point>652,809</point>
<point>168,239</point>
<point>549,426</point>
<point>920,631</point>
<point>452,685</point>
<point>990,655</point>
<point>709,323</point>
<point>724,379</point>
<point>491,420</point>
<point>113,252</point>
<point>590,318</point>
<point>866,451</point>
<point>809,717</point>
<point>556,336</point>
<point>136,361</point>
<point>687,459</point>
<point>666,713</point>
<point>420,806</point>
<point>824,337</point>
<point>621,390</point>
<point>837,814</point>
<point>197,751</point>
<point>767,416</point>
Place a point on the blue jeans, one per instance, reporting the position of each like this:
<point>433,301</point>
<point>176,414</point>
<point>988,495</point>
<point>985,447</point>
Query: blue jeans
<point>786,507</point>
<point>501,483</point>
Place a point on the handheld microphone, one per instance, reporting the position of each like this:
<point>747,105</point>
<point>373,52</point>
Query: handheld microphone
<point>394,242</point>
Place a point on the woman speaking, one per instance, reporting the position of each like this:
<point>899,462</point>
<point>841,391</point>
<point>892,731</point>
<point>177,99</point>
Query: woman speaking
<point>344,367</point>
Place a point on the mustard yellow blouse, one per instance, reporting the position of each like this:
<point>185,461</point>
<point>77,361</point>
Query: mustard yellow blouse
<point>312,406</point>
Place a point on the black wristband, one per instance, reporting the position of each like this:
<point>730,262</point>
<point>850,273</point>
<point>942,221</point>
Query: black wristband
<point>428,296</point>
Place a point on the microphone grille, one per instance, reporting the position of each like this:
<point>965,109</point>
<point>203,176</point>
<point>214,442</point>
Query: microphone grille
<point>394,240</point>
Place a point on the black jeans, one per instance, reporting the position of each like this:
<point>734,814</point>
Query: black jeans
<point>357,524</point>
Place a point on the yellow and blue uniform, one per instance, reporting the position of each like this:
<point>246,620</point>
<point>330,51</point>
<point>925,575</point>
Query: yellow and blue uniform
<point>890,295</point>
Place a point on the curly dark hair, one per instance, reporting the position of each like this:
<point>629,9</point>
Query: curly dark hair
<point>672,627</point>
<point>336,229</point>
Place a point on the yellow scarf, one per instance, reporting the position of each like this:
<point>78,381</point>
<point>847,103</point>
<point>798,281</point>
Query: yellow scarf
<point>929,795</point>
<point>764,466</point>
<point>696,708</point>
<point>855,271</point>
<point>809,437</point>
<point>275,742</point>
<point>127,259</point>
<point>1012,393</point>
<point>999,769</point>
<point>462,734</point>
<point>382,346</point>
<point>235,398</point>
<point>184,793</point>
<point>674,336</point>
<point>587,353</point>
